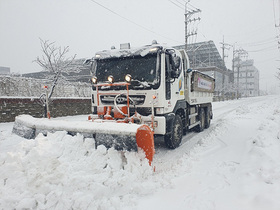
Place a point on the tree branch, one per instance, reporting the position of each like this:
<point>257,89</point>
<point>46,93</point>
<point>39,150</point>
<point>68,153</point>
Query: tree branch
<point>55,62</point>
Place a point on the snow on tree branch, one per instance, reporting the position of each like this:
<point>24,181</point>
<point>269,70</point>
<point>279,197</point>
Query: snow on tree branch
<point>55,61</point>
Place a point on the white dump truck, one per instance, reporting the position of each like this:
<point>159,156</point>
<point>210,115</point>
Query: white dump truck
<point>139,93</point>
<point>151,85</point>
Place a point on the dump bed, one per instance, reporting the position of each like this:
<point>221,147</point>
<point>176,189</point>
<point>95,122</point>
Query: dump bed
<point>199,87</point>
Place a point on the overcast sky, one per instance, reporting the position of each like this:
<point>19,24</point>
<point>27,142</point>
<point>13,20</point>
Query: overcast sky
<point>86,27</point>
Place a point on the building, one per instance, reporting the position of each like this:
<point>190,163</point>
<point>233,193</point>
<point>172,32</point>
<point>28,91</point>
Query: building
<point>4,70</point>
<point>80,73</point>
<point>205,57</point>
<point>246,77</point>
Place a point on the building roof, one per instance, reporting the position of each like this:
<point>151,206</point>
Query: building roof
<point>4,70</point>
<point>204,54</point>
<point>82,75</point>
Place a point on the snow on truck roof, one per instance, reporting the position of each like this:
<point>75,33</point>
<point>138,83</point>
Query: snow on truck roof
<point>118,53</point>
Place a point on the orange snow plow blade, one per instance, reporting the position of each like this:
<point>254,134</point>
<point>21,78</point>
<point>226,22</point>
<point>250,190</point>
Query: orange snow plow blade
<point>145,141</point>
<point>121,136</point>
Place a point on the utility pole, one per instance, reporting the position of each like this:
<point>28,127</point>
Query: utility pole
<point>188,14</point>
<point>225,46</point>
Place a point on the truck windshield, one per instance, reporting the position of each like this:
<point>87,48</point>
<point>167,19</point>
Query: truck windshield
<point>143,70</point>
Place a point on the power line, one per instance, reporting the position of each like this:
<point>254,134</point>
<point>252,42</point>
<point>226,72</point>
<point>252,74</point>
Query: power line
<point>176,4</point>
<point>194,8</point>
<point>181,3</point>
<point>262,42</point>
<point>279,9</point>
<point>147,29</point>
<point>267,60</point>
<point>274,12</point>
<point>263,49</point>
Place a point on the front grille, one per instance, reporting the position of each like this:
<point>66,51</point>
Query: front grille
<point>145,111</point>
<point>109,99</point>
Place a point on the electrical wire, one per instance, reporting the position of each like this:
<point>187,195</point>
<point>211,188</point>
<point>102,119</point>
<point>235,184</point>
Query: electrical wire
<point>262,42</point>
<point>194,8</point>
<point>181,3</point>
<point>268,60</point>
<point>279,9</point>
<point>263,49</point>
<point>147,29</point>
<point>176,4</point>
<point>274,13</point>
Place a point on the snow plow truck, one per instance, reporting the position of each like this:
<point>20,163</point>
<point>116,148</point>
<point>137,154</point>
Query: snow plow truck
<point>138,94</point>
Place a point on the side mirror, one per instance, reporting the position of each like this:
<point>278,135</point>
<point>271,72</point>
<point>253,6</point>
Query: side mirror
<point>175,63</point>
<point>87,62</point>
<point>189,70</point>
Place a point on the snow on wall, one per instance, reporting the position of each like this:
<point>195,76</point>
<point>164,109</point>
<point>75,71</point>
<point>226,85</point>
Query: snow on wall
<point>30,87</point>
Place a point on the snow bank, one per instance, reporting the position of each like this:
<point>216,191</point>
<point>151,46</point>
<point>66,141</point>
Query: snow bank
<point>63,172</point>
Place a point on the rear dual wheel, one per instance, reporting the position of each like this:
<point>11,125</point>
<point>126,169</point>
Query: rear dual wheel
<point>174,139</point>
<point>201,118</point>
<point>207,118</point>
<point>204,118</point>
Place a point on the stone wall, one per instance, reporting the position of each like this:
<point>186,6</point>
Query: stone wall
<point>12,107</point>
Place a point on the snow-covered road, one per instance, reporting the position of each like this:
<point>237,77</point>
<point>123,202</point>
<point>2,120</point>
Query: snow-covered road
<point>232,165</point>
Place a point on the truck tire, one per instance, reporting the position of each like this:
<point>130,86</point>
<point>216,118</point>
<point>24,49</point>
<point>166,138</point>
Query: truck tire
<point>174,139</point>
<point>207,118</point>
<point>201,118</point>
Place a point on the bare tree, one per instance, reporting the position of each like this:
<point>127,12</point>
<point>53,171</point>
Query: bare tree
<point>55,62</point>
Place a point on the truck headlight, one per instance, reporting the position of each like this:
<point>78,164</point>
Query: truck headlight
<point>111,79</point>
<point>127,78</point>
<point>94,79</point>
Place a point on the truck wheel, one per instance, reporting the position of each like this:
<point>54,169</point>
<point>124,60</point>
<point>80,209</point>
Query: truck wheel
<point>207,118</point>
<point>174,139</point>
<point>201,118</point>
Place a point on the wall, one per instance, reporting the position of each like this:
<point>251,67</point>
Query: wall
<point>30,87</point>
<point>12,107</point>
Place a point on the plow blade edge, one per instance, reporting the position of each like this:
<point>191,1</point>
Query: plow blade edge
<point>121,136</point>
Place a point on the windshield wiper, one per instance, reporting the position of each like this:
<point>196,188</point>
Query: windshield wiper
<point>138,83</point>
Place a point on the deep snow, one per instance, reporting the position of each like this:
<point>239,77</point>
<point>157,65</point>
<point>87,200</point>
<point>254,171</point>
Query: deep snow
<point>232,165</point>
